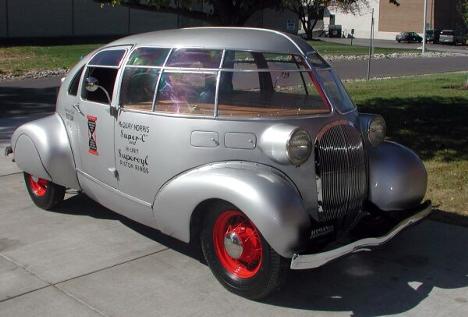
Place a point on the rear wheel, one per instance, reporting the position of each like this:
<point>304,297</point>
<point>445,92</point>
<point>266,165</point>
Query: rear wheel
<point>44,193</point>
<point>238,255</point>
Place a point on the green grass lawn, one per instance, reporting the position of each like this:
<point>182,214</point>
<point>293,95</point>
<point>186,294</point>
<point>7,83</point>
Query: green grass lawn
<point>21,59</point>
<point>429,114</point>
<point>327,48</point>
<point>18,60</point>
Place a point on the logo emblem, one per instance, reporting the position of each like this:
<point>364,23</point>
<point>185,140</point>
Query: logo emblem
<point>92,135</point>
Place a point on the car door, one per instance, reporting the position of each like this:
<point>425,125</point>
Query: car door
<point>97,116</point>
<point>137,143</point>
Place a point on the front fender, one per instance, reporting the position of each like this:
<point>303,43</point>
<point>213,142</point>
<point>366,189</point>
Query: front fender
<point>269,199</point>
<point>42,148</point>
<point>397,177</point>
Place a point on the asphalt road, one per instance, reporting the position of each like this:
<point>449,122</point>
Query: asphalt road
<point>84,260</point>
<point>357,69</point>
<point>462,49</point>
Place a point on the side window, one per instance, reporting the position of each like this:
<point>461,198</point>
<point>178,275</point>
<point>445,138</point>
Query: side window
<point>267,85</point>
<point>73,88</point>
<point>107,58</point>
<point>148,56</point>
<point>106,79</point>
<point>286,93</point>
<point>195,58</point>
<point>138,86</point>
<point>186,93</point>
<point>239,60</point>
<point>140,78</point>
<point>103,69</point>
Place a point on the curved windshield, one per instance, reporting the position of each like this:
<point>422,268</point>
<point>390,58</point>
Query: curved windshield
<point>331,84</point>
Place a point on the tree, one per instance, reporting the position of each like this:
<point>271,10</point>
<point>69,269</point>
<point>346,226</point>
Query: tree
<point>214,12</point>
<point>311,11</point>
<point>462,8</point>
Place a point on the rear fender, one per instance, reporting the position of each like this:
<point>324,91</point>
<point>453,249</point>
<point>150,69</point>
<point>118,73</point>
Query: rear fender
<point>267,197</point>
<point>42,148</point>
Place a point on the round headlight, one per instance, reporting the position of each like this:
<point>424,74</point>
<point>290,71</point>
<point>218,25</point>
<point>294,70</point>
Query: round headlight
<point>299,147</point>
<point>377,130</point>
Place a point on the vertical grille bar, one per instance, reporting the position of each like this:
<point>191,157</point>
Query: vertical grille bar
<point>341,171</point>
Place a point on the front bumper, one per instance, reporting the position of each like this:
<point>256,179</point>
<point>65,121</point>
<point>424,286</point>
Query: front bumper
<point>310,261</point>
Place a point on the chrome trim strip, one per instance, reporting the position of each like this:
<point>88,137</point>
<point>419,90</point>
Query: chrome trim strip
<point>218,79</point>
<point>156,88</point>
<point>311,261</point>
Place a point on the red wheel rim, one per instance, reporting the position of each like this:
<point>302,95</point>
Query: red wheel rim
<point>247,263</point>
<point>38,185</point>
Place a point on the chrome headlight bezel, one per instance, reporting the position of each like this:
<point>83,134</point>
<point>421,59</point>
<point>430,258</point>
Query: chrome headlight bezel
<point>294,141</point>
<point>278,141</point>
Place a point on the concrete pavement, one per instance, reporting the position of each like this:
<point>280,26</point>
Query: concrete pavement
<point>84,260</point>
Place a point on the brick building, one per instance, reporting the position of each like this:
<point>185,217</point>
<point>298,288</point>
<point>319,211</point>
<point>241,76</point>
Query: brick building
<point>391,20</point>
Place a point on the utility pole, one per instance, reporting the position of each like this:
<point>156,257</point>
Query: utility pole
<point>424,27</point>
<point>371,44</point>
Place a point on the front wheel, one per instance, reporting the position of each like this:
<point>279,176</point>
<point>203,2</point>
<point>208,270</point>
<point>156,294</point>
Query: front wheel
<point>44,193</point>
<point>237,254</point>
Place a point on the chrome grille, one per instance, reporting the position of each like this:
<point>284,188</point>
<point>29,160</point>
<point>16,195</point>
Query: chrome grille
<point>341,171</point>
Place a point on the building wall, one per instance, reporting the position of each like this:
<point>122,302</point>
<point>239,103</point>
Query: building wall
<point>360,21</point>
<point>90,19</point>
<point>408,16</point>
<point>86,18</point>
<point>389,20</point>
<point>28,18</point>
<point>3,19</point>
<point>446,16</point>
<point>143,20</point>
<point>285,21</point>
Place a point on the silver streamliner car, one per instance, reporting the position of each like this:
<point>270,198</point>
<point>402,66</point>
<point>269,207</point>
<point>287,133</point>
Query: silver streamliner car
<point>242,141</point>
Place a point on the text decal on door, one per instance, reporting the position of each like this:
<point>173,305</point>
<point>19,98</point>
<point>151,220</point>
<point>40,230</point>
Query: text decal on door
<point>92,135</point>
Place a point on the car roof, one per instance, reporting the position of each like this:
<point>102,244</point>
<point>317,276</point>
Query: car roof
<point>235,38</point>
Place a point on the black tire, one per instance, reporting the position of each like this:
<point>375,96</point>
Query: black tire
<point>47,197</point>
<point>272,268</point>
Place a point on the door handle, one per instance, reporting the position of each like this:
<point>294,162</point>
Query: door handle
<point>77,108</point>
